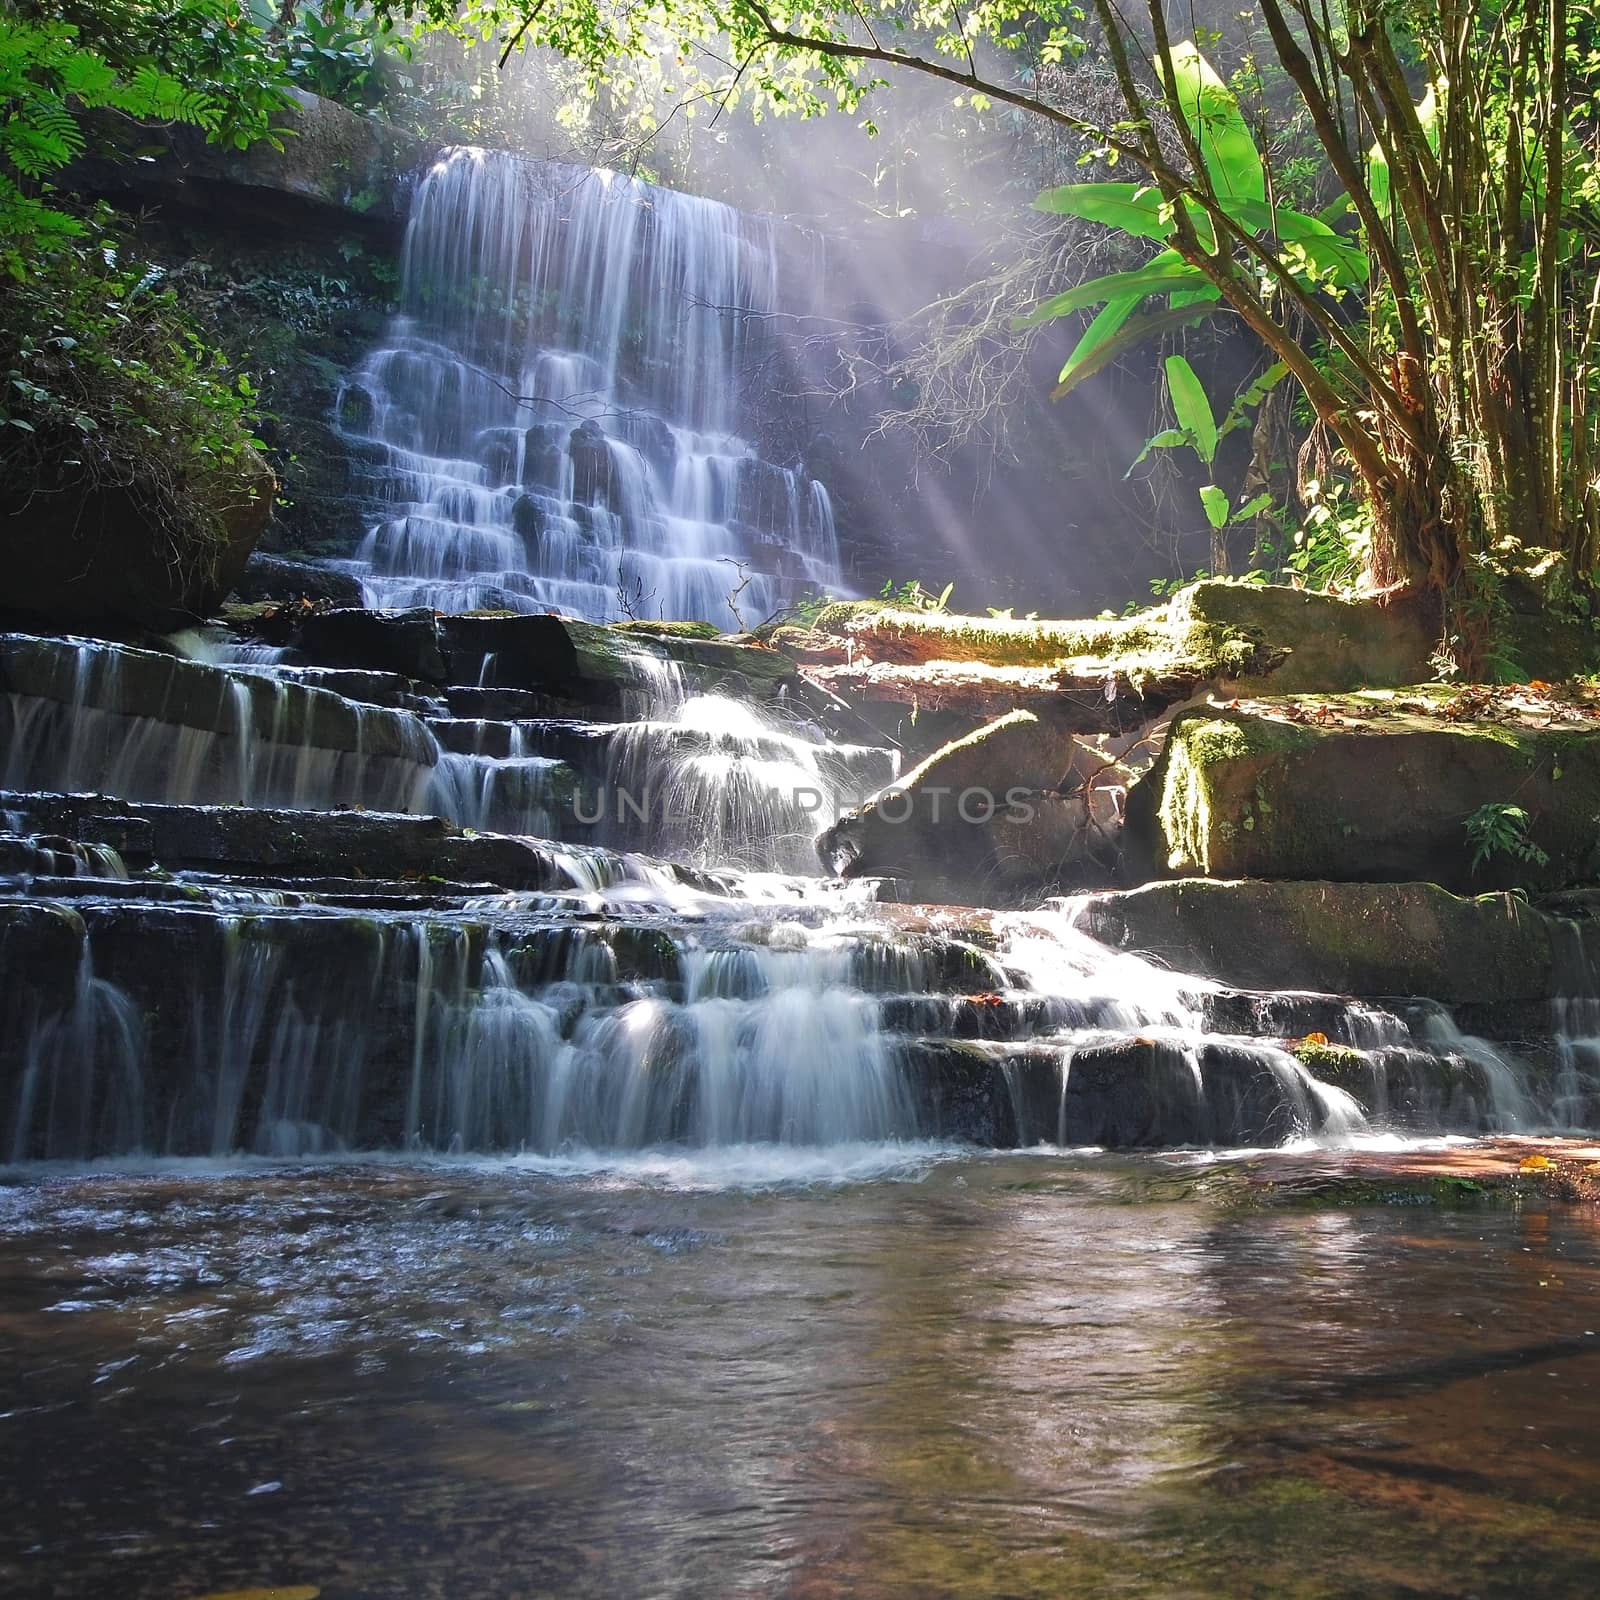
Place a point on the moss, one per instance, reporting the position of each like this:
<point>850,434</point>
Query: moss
<point>838,614</point>
<point>670,630</point>
<point>1332,1061</point>
<point>1186,785</point>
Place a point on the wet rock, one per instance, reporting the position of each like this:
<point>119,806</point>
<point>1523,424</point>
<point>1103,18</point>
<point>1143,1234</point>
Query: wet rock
<point>269,577</point>
<point>41,947</point>
<point>766,496</point>
<point>528,522</point>
<point>1344,938</point>
<point>356,408</point>
<point>370,688</point>
<point>593,481</point>
<point>406,642</point>
<point>243,840</point>
<point>1015,806</point>
<point>544,449</point>
<point>606,669</point>
<point>649,434</point>
<point>72,711</point>
<point>1369,786</point>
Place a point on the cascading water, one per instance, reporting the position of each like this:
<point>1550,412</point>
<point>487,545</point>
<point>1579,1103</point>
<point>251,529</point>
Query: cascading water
<point>303,1002</point>
<point>554,419</point>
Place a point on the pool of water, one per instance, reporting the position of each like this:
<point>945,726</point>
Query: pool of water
<point>901,1372</point>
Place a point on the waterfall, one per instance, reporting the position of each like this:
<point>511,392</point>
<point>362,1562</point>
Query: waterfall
<point>553,418</point>
<point>298,1030</point>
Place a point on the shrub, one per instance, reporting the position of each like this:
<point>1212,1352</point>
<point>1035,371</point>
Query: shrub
<point>109,389</point>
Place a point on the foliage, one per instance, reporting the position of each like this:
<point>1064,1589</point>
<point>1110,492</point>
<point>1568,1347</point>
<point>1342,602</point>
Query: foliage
<point>337,49</point>
<point>1500,829</point>
<point>1329,547</point>
<point>911,596</point>
<point>186,61</point>
<point>108,388</point>
<point>111,396</point>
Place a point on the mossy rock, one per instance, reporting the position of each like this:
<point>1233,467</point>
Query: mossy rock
<point>1330,643</point>
<point>1217,632</point>
<point>1384,939</point>
<point>669,630</point>
<point>1366,787</point>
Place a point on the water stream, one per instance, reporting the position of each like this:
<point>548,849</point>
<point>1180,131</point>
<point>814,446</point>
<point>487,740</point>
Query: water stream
<point>949,1378</point>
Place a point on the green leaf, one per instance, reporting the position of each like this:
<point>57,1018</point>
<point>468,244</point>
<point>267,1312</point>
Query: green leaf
<point>1100,332</point>
<point>1264,385</point>
<point>1252,507</point>
<point>1144,329</point>
<point>1227,146</point>
<point>1192,407</point>
<point>1206,296</point>
<point>1167,439</point>
<point>1313,243</point>
<point>1132,208</point>
<point>1216,504</point>
<point>1164,274</point>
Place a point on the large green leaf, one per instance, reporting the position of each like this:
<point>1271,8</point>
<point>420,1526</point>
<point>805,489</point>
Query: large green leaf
<point>1132,208</point>
<point>1313,245</point>
<point>1100,332</point>
<point>1227,146</point>
<point>1144,329</point>
<point>1206,295</point>
<point>1163,274</point>
<point>1192,406</point>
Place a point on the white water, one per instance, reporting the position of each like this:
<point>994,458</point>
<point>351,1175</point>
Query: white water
<point>555,415</point>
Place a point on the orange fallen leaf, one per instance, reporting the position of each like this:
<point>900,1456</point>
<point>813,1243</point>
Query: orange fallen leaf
<point>1537,1164</point>
<point>1315,1038</point>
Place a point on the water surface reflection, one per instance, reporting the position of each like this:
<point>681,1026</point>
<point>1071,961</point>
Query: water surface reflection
<point>975,1377</point>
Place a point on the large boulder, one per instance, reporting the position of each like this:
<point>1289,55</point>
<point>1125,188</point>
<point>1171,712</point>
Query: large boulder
<point>1317,641</point>
<point>1346,938</point>
<point>99,561</point>
<point>1019,805</point>
<point>1374,786</point>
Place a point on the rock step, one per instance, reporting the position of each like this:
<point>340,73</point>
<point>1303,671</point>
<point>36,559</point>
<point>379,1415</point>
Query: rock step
<point>242,841</point>
<point>604,670</point>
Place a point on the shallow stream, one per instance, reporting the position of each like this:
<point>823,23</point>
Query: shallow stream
<point>866,1371</point>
